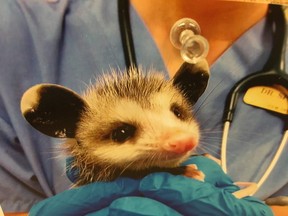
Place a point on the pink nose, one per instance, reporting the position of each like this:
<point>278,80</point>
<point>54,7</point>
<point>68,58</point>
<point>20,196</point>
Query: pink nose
<point>180,146</point>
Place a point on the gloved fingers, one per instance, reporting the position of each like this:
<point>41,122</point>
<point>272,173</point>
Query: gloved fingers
<point>163,184</point>
<point>191,197</point>
<point>101,212</point>
<point>136,206</point>
<point>85,199</point>
<point>193,172</point>
<point>218,161</point>
<point>246,189</point>
<point>212,171</point>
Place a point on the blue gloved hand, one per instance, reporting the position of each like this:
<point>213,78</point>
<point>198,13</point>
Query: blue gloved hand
<point>88,198</point>
<point>156,194</point>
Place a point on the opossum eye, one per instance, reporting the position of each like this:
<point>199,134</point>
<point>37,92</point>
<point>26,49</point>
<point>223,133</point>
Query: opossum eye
<point>178,111</point>
<point>123,133</point>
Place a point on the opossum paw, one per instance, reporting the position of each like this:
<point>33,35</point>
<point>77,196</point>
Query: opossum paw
<point>192,171</point>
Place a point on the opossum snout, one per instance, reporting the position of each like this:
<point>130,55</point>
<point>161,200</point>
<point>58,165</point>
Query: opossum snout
<point>180,146</point>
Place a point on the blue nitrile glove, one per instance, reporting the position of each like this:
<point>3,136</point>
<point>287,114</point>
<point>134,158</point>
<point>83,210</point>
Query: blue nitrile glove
<point>163,194</point>
<point>136,206</point>
<point>193,197</point>
<point>88,198</point>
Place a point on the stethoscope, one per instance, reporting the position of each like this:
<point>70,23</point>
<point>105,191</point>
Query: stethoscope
<point>272,73</point>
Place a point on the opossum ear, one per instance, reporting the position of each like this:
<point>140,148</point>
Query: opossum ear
<point>52,109</point>
<point>192,79</point>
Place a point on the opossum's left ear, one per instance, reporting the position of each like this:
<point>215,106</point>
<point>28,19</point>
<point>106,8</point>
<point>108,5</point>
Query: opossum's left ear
<point>52,109</point>
<point>192,79</point>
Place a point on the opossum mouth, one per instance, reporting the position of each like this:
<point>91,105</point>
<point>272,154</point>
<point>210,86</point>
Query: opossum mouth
<point>171,156</point>
<point>166,159</point>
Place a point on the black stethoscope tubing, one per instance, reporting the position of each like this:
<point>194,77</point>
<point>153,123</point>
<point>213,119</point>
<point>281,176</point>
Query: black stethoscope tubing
<point>126,33</point>
<point>273,71</point>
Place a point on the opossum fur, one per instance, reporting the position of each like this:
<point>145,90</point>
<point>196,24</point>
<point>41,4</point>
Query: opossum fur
<point>153,105</point>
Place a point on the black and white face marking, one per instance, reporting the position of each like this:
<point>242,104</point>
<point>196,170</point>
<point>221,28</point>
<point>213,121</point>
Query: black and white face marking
<point>138,128</point>
<point>124,122</point>
<point>123,132</point>
<point>52,109</point>
<point>179,112</point>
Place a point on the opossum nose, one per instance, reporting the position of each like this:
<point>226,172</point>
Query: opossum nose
<point>180,146</point>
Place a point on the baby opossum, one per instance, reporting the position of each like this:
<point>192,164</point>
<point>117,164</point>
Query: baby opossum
<point>126,124</point>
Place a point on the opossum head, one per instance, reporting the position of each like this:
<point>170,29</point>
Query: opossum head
<point>125,121</point>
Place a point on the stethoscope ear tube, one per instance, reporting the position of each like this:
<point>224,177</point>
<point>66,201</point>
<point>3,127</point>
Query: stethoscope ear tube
<point>224,146</point>
<point>276,60</point>
<point>266,78</point>
<point>126,34</point>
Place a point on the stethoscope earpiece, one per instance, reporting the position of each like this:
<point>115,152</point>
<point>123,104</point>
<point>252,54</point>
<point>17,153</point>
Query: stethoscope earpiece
<point>185,35</point>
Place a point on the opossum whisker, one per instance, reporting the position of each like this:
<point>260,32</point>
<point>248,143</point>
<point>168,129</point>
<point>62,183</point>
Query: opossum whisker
<point>213,140</point>
<point>208,146</point>
<point>203,142</point>
<point>205,149</point>
<point>217,151</point>
<point>212,91</point>
<point>151,159</point>
<point>209,131</point>
<point>127,166</point>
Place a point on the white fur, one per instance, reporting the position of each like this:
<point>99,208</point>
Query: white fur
<point>30,99</point>
<point>158,125</point>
